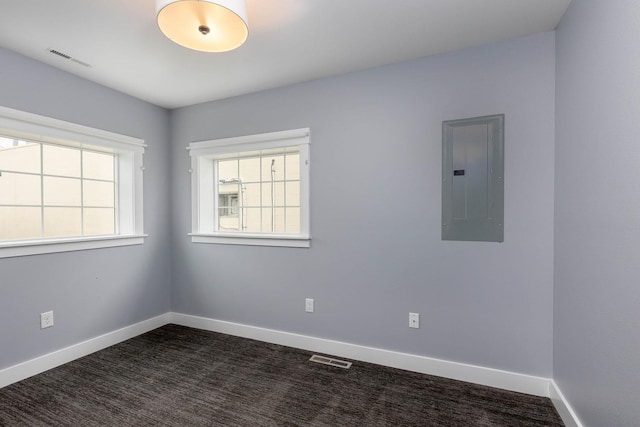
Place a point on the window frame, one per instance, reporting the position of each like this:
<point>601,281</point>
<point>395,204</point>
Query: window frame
<point>129,150</point>
<point>204,194</point>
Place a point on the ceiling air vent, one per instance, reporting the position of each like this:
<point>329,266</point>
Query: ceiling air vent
<point>69,57</point>
<point>56,52</point>
<point>77,61</point>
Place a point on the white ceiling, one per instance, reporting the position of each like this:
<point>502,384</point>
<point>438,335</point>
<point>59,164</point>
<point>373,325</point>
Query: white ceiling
<point>290,41</point>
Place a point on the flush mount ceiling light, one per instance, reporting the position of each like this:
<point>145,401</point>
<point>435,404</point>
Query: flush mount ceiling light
<point>204,25</point>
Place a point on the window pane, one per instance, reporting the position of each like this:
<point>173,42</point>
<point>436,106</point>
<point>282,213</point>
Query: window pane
<point>293,193</point>
<point>293,220</point>
<point>61,191</point>
<point>97,165</point>
<point>292,163</point>
<point>278,220</point>
<point>266,194</point>
<point>227,170</point>
<point>252,220</point>
<point>228,222</point>
<point>98,221</point>
<point>61,161</point>
<point>228,204</point>
<point>266,220</point>
<point>97,193</point>
<point>62,222</point>
<point>278,168</point>
<point>278,189</point>
<point>21,157</point>
<point>250,170</point>
<point>19,189</point>
<point>251,195</point>
<point>228,188</point>
<point>20,223</point>
<point>278,193</point>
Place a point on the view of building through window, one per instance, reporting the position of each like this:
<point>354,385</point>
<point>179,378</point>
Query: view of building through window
<point>259,194</point>
<point>53,191</point>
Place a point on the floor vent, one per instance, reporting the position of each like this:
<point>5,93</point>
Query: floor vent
<point>329,361</point>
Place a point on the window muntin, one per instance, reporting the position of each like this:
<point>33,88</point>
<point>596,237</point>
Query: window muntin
<point>251,188</point>
<point>66,187</point>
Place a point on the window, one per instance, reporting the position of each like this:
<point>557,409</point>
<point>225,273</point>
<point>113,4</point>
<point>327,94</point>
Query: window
<point>66,187</point>
<point>228,205</point>
<point>252,190</point>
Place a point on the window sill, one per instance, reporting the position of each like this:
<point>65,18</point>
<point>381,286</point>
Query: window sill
<point>281,240</point>
<point>37,247</point>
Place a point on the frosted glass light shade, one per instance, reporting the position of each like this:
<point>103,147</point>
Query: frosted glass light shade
<point>204,25</point>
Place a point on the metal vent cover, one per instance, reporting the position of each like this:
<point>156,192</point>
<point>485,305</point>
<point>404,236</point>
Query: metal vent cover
<point>330,361</point>
<point>68,57</point>
<point>57,52</point>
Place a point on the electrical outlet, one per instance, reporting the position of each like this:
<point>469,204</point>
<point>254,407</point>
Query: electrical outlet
<point>46,319</point>
<point>414,320</point>
<point>308,305</point>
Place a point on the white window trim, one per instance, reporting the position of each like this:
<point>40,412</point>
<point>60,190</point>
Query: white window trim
<point>36,128</point>
<point>200,183</point>
<point>37,247</point>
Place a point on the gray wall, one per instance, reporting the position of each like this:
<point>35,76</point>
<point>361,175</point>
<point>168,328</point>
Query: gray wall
<point>376,157</point>
<point>597,220</point>
<point>97,291</point>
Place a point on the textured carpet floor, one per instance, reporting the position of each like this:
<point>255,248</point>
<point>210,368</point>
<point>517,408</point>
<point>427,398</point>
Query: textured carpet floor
<point>177,376</point>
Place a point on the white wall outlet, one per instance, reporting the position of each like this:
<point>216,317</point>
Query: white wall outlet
<point>46,319</point>
<point>414,320</point>
<point>308,305</point>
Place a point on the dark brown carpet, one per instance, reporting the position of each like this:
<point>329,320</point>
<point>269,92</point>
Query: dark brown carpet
<point>177,376</point>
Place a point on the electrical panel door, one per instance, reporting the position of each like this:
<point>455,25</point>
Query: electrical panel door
<point>473,179</point>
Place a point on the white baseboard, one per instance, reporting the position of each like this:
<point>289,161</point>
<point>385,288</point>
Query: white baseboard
<point>459,371</point>
<point>561,404</point>
<point>43,363</point>
<point>522,383</point>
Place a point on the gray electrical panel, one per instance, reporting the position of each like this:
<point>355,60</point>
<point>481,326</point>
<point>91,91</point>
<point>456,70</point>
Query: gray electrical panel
<point>473,179</point>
